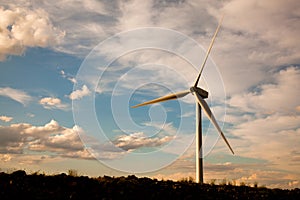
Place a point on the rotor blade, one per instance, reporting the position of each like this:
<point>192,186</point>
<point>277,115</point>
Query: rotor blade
<point>211,117</point>
<point>208,51</point>
<point>164,98</point>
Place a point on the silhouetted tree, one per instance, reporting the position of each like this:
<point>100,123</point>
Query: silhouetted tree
<point>39,186</point>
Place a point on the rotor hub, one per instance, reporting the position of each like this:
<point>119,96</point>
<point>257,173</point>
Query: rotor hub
<point>200,91</point>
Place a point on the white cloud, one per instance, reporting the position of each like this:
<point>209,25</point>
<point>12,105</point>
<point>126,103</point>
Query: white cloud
<point>139,140</point>
<point>240,37</point>
<point>5,118</point>
<point>80,21</point>
<point>60,139</point>
<point>54,139</point>
<point>51,137</point>
<point>30,115</point>
<point>272,138</point>
<point>135,14</point>
<point>15,94</point>
<point>22,28</point>
<point>266,120</point>
<point>63,74</point>
<point>72,79</point>
<point>165,128</point>
<point>255,38</point>
<point>264,19</point>
<point>52,103</point>
<point>78,94</point>
<point>188,114</point>
<point>279,96</point>
<point>67,76</point>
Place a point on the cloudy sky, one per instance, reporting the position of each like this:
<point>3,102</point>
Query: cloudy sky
<point>70,71</point>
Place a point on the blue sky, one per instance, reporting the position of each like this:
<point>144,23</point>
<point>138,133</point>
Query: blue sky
<point>70,71</point>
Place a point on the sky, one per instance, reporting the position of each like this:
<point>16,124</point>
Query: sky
<point>70,72</point>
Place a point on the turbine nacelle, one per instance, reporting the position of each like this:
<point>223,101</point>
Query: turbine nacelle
<point>200,91</point>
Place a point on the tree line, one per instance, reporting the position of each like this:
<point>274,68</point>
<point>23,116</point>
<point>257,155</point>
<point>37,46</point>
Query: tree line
<point>62,186</point>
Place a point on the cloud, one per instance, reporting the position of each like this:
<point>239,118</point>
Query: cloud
<point>59,140</point>
<point>72,79</point>
<point>78,94</point>
<point>22,28</point>
<point>266,120</point>
<point>279,96</point>
<point>188,114</point>
<point>240,36</point>
<point>52,103</point>
<point>236,173</point>
<point>263,34</point>
<point>67,76</point>
<point>279,132</point>
<point>22,160</point>
<point>80,22</point>
<point>5,118</point>
<point>266,19</point>
<point>269,178</point>
<point>5,157</point>
<point>15,94</point>
<point>139,140</point>
<point>30,115</point>
<point>51,137</point>
<point>135,14</point>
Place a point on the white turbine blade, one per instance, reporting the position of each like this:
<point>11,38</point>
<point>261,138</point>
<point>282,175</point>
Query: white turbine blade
<point>164,98</point>
<point>208,51</point>
<point>211,117</point>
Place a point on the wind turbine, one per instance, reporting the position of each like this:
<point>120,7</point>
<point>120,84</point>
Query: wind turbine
<point>200,95</point>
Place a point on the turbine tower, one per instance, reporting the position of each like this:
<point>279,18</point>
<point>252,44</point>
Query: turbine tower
<point>200,95</point>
